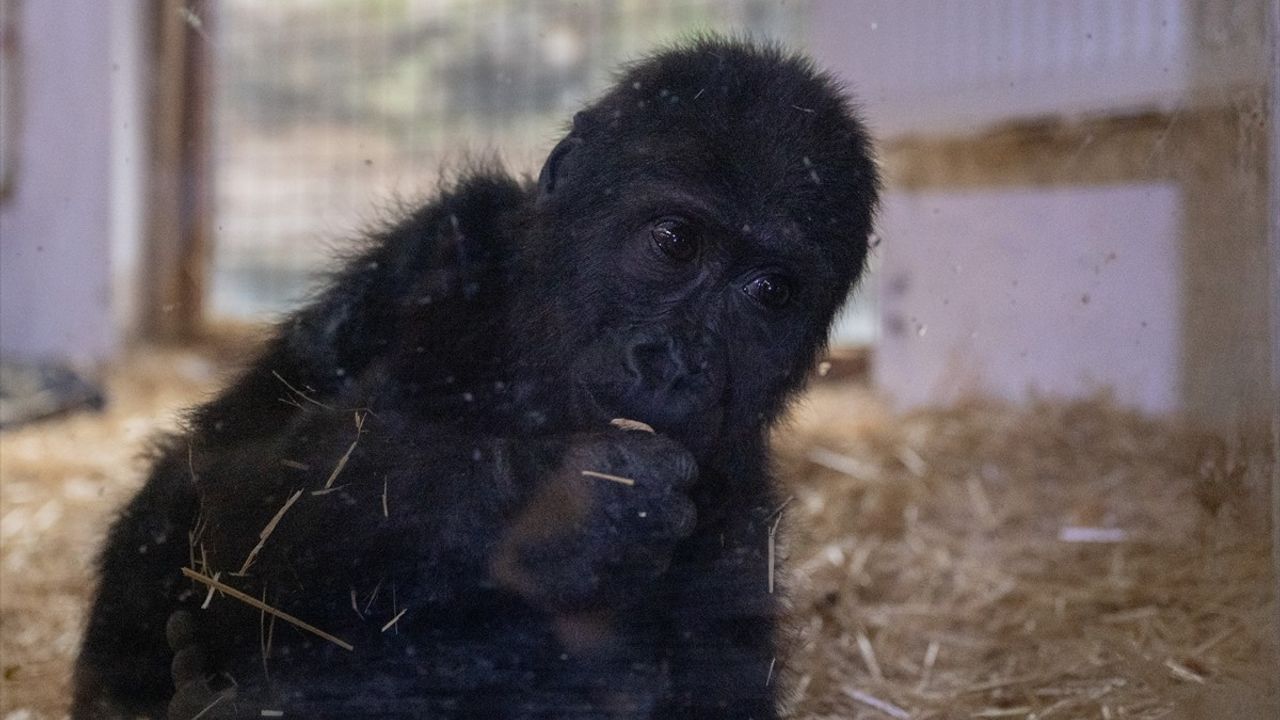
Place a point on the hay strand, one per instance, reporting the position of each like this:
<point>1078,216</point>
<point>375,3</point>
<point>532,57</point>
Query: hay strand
<point>625,424</point>
<point>876,703</point>
<point>217,699</point>
<point>300,394</point>
<point>342,461</point>
<point>611,478</point>
<point>395,619</point>
<point>222,587</point>
<point>266,532</point>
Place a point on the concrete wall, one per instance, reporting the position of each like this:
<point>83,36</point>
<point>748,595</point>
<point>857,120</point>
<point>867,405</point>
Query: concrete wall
<point>74,194</point>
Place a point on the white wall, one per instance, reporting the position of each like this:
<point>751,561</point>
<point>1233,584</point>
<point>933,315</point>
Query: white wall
<point>1007,292</point>
<point>75,189</point>
<point>952,66</point>
<point>1176,321</point>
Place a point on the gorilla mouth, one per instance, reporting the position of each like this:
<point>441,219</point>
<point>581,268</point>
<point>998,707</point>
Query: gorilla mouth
<point>689,412</point>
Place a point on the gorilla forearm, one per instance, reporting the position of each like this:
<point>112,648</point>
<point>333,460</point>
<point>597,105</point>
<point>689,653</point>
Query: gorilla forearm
<point>488,639</point>
<point>361,489</point>
<point>423,496</point>
<point>436,520</point>
<point>463,531</point>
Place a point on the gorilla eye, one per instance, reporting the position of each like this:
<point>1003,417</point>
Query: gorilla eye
<point>676,239</point>
<point>771,291</point>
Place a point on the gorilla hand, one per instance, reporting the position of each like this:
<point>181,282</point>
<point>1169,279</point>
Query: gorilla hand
<point>603,522</point>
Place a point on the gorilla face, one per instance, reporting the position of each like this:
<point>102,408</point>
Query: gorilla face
<point>699,308</point>
<point>657,355</point>
<point>705,316</point>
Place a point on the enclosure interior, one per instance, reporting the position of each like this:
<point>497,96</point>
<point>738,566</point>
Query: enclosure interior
<point>1035,475</point>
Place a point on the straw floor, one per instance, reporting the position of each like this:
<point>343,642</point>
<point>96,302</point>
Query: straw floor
<point>980,561</point>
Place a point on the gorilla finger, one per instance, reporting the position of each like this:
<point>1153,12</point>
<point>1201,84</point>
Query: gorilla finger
<point>679,516</point>
<point>180,630</point>
<point>673,469</point>
<point>189,665</point>
<point>684,470</point>
<point>659,457</point>
<point>195,699</point>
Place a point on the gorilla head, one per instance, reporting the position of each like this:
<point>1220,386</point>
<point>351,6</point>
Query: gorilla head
<point>693,237</point>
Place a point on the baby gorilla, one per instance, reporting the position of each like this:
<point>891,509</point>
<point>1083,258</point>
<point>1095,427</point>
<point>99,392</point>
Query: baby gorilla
<point>418,502</point>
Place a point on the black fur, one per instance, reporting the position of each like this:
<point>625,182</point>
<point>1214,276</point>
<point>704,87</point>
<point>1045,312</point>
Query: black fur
<point>484,343</point>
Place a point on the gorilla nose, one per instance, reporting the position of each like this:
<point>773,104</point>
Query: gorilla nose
<point>668,379</point>
<point>662,361</point>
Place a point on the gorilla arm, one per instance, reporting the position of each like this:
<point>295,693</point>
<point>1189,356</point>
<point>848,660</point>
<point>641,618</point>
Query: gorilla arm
<point>439,266</point>
<point>549,523</point>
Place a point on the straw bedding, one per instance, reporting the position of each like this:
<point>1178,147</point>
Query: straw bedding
<point>1063,560</point>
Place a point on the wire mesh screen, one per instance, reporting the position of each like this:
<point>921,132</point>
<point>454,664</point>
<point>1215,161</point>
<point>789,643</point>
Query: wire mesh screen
<point>331,111</point>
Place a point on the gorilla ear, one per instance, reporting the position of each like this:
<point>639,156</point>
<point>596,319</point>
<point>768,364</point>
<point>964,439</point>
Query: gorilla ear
<point>557,165</point>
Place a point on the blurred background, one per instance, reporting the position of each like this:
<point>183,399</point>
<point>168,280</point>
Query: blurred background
<point>1075,285</point>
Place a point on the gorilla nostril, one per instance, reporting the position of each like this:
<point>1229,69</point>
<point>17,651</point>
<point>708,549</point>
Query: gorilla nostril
<point>667,361</point>
<point>647,358</point>
<point>659,361</point>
